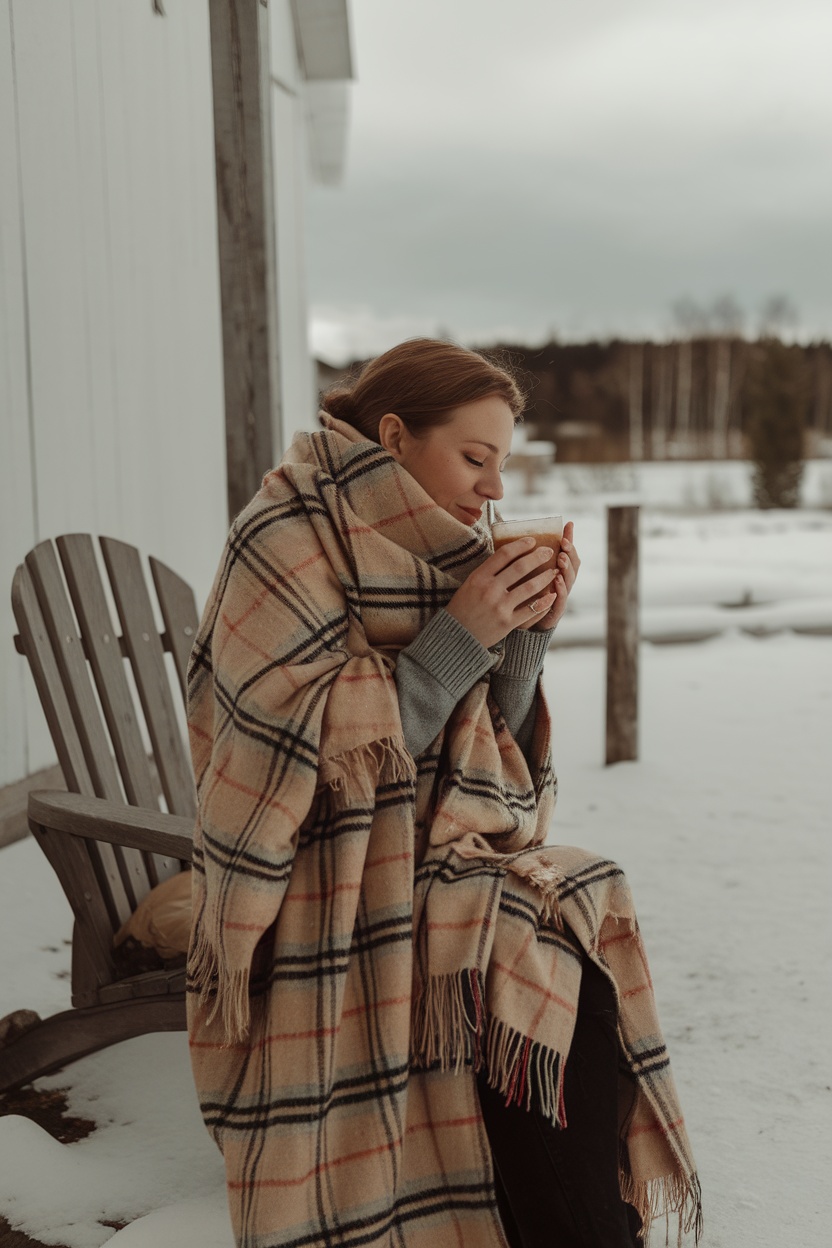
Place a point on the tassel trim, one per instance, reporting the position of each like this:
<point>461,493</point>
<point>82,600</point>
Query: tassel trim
<point>451,1030</point>
<point>673,1193</point>
<point>384,760</point>
<point>527,1073</point>
<point>447,1022</point>
<point>220,992</point>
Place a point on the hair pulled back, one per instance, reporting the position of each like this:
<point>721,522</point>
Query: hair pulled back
<point>422,381</point>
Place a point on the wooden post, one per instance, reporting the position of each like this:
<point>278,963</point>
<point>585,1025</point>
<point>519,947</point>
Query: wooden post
<point>245,223</point>
<point>622,634</point>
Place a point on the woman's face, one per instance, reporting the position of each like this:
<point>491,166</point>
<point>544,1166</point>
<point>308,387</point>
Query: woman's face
<point>457,464</point>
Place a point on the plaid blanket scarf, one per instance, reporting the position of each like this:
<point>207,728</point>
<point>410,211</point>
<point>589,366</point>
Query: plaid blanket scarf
<point>369,934</point>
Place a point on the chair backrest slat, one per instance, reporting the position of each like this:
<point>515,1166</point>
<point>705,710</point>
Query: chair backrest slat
<point>147,659</point>
<point>179,612</point>
<point>69,654</point>
<point>62,677</point>
<point>101,643</point>
<point>77,659</point>
<point>36,645</point>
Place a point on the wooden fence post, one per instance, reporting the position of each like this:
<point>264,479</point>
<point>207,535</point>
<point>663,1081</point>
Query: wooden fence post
<point>622,634</point>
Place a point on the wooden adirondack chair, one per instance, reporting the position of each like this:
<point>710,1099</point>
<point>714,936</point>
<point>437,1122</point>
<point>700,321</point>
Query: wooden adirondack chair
<point>126,821</point>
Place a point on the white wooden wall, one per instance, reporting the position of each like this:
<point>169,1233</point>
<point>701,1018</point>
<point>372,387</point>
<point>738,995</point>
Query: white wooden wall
<point>290,145</point>
<point>111,396</point>
<point>111,400</point>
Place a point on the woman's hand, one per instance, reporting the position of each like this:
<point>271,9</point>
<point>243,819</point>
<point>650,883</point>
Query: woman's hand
<point>568,565</point>
<point>490,602</point>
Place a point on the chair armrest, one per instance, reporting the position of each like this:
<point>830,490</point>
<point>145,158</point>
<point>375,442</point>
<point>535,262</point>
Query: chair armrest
<point>96,819</point>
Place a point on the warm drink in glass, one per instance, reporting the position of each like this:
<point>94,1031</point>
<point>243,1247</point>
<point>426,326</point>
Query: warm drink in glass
<point>546,531</point>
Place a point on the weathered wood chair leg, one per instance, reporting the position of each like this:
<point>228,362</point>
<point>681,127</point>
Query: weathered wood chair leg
<point>56,1041</point>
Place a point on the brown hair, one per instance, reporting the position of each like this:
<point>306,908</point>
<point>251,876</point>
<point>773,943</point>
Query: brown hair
<point>422,381</point>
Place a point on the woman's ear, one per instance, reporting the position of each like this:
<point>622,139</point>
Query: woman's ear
<point>390,433</point>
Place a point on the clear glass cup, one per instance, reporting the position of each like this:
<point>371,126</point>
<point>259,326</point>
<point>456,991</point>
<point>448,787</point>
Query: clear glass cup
<point>546,531</point>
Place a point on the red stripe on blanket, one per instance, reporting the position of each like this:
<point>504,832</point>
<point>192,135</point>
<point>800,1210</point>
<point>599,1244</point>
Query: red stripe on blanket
<point>249,1184</point>
<point>616,940</point>
<point>384,862</point>
<point>317,1033</point>
<point>361,1155</point>
<point>223,777</point>
<point>252,607</point>
<point>634,992</point>
<point>306,563</point>
<point>530,983</point>
<point>330,892</point>
<point>432,1125</point>
<point>663,1128</point>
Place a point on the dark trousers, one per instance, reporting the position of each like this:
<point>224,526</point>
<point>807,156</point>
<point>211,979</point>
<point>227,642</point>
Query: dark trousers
<point>560,1186</point>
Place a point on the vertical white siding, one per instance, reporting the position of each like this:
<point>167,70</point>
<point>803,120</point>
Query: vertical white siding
<point>17,513</point>
<point>111,396</point>
<point>108,248</point>
<point>290,148</point>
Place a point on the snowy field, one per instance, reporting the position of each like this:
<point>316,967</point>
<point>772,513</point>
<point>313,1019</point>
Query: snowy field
<point>722,826</point>
<point>703,571</point>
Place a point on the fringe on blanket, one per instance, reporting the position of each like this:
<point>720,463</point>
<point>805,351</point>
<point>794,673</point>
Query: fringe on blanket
<point>451,1030</point>
<point>659,1198</point>
<point>223,993</point>
<point>383,761</point>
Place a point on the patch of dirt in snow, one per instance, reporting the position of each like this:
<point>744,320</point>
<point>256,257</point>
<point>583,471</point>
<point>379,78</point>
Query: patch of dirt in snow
<point>47,1107</point>
<point>16,1239</point>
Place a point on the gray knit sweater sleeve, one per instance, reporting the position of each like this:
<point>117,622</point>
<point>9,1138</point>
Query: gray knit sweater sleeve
<point>514,686</point>
<point>443,662</point>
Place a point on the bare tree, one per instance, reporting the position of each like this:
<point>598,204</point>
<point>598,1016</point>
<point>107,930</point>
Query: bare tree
<point>691,319</point>
<point>635,401</point>
<point>777,315</point>
<point>684,391</point>
<point>727,317</point>
<point>721,354</point>
<point>661,390</point>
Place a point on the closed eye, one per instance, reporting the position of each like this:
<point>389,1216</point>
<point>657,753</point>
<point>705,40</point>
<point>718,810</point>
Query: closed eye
<point>471,460</point>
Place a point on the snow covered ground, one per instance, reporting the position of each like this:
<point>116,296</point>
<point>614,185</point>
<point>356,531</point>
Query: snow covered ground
<point>703,572</point>
<point>723,828</point>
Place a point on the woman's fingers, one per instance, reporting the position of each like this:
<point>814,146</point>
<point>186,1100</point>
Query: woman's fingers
<point>497,596</point>
<point>568,560</point>
<point>524,591</point>
<point>523,567</point>
<point>507,554</point>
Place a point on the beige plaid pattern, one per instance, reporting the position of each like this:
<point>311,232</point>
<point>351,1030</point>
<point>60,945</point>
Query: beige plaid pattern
<point>368,933</point>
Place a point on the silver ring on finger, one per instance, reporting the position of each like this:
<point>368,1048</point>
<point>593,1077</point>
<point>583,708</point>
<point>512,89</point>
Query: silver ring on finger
<point>533,607</point>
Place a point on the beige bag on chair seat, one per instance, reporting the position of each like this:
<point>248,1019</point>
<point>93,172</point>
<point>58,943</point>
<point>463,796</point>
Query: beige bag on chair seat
<point>162,919</point>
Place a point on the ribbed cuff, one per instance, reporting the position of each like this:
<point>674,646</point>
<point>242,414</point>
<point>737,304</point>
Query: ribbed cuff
<point>451,654</point>
<point>525,652</point>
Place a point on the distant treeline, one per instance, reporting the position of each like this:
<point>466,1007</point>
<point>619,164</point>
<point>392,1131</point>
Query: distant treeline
<point>688,399</point>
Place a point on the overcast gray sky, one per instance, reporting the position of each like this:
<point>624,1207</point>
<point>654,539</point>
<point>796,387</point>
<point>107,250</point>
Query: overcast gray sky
<point>523,167</point>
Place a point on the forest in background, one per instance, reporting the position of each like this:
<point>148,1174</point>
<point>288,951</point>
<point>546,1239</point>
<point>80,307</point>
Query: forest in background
<point>691,398</point>
<point>695,398</point>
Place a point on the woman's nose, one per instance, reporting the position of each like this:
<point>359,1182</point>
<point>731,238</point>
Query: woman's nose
<point>492,488</point>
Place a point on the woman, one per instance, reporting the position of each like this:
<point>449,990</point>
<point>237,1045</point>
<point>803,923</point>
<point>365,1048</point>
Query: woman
<point>404,1011</point>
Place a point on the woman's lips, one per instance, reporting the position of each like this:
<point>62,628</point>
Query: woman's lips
<point>474,512</point>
